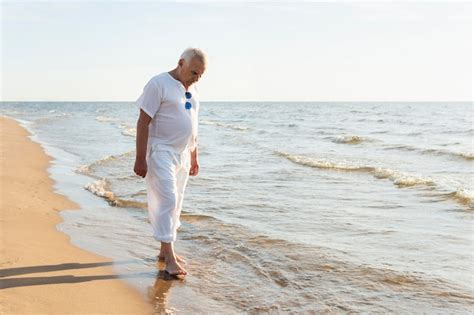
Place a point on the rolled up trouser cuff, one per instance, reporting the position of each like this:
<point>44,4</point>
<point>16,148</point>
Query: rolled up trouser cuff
<point>165,238</point>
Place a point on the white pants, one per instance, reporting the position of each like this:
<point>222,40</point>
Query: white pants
<point>166,180</point>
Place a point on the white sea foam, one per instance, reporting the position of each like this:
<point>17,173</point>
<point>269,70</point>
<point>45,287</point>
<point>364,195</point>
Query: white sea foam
<point>347,139</point>
<point>400,179</point>
<point>105,118</point>
<point>128,130</point>
<point>88,169</point>
<point>467,156</point>
<point>83,169</point>
<point>464,196</point>
<point>100,188</point>
<point>216,123</point>
<point>406,147</point>
<point>464,155</point>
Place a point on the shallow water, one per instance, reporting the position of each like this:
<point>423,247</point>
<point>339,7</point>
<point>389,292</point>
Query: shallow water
<point>324,207</point>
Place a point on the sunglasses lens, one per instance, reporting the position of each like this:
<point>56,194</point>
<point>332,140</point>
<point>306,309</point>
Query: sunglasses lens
<point>188,105</point>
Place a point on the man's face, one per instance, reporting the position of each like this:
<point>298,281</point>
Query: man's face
<point>192,71</point>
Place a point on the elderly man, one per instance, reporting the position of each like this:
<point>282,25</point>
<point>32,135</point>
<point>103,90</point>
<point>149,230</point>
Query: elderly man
<point>166,147</point>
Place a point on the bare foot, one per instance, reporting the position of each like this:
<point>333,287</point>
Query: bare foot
<point>180,259</point>
<point>173,268</point>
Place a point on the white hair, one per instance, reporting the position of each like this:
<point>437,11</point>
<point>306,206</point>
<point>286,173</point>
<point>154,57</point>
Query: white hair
<point>191,52</point>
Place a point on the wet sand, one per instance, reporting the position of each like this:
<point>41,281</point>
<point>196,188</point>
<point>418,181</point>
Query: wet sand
<point>40,270</point>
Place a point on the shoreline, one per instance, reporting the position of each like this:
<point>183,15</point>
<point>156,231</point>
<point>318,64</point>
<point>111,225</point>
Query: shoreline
<point>41,270</point>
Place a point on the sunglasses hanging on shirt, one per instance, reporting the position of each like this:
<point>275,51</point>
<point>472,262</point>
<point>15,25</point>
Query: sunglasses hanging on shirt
<point>188,104</point>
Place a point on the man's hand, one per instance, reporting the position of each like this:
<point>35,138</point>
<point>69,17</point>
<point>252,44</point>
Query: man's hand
<point>194,170</point>
<point>140,167</point>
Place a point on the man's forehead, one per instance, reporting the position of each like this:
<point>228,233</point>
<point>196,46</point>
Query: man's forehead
<point>197,65</point>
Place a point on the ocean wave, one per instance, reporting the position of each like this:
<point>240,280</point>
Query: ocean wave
<point>124,203</point>
<point>401,147</point>
<point>105,118</point>
<point>349,139</point>
<point>461,155</point>
<point>102,188</point>
<point>458,131</point>
<point>51,118</point>
<point>354,111</point>
<point>467,156</point>
<point>401,179</point>
<point>87,169</point>
<point>463,196</point>
<point>59,114</point>
<point>193,217</point>
<point>231,126</point>
<point>83,169</point>
<point>128,131</point>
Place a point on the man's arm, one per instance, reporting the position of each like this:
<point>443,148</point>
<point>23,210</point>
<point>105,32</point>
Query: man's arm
<point>140,167</point>
<point>194,163</point>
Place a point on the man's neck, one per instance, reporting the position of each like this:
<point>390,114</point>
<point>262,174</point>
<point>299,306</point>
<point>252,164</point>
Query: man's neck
<point>174,74</point>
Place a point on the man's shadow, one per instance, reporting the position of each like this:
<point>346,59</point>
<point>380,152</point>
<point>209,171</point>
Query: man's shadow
<point>6,283</point>
<point>158,294</point>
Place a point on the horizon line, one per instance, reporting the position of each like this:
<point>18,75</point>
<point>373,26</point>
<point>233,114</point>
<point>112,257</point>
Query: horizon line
<point>252,101</point>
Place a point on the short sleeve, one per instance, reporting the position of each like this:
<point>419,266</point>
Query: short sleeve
<point>150,100</point>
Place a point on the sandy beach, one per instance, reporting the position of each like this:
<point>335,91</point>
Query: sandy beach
<point>41,271</point>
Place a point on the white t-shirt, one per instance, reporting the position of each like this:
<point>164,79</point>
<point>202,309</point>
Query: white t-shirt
<point>172,125</point>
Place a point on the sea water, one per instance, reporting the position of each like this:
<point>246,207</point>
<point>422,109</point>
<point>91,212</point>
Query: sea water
<point>317,207</point>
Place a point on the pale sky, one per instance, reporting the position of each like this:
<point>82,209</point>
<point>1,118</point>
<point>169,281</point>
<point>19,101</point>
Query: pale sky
<point>258,51</point>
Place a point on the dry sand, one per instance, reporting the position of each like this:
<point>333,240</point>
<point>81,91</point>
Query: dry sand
<point>41,271</point>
